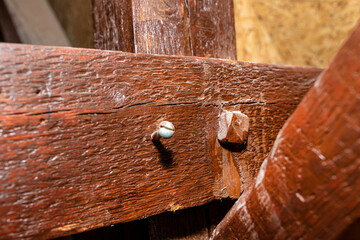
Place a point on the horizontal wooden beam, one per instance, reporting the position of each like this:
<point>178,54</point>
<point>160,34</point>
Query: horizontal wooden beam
<point>308,187</point>
<point>75,143</point>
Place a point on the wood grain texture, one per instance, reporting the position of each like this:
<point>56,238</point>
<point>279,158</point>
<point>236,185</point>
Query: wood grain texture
<point>233,127</point>
<point>113,25</point>
<point>186,28</point>
<point>191,28</point>
<point>163,27</point>
<point>75,125</point>
<point>160,27</point>
<point>212,29</point>
<point>309,185</point>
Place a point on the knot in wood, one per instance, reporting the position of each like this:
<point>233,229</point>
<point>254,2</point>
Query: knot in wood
<point>233,127</point>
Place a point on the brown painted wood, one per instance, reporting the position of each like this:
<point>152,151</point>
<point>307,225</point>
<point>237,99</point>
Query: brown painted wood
<point>308,187</point>
<point>192,28</point>
<point>212,28</point>
<point>76,123</point>
<point>185,28</point>
<point>161,27</point>
<point>113,25</point>
<point>156,27</point>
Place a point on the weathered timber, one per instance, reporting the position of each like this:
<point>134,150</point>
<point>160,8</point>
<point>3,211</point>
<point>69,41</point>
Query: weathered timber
<point>308,187</point>
<point>212,28</point>
<point>161,27</point>
<point>76,126</point>
<point>113,25</point>
<point>207,22</point>
<point>192,28</point>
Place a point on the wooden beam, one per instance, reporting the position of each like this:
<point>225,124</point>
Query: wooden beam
<point>113,25</point>
<point>76,124</point>
<point>192,28</point>
<point>309,185</point>
<point>195,28</point>
<point>212,28</point>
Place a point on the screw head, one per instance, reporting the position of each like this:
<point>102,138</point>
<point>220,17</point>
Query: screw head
<point>166,129</point>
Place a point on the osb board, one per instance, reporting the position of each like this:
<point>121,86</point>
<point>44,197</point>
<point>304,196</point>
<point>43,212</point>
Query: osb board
<point>75,17</point>
<point>295,32</point>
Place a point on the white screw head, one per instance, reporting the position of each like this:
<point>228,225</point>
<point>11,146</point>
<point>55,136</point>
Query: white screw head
<point>166,130</point>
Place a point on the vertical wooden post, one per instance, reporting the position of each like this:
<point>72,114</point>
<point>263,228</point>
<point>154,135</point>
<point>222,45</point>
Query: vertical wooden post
<point>173,27</point>
<point>191,27</point>
<point>113,25</point>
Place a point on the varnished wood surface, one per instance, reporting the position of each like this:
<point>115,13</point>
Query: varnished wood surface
<point>309,185</point>
<point>193,27</point>
<point>212,28</point>
<point>171,27</point>
<point>161,27</point>
<point>75,125</point>
<point>113,25</point>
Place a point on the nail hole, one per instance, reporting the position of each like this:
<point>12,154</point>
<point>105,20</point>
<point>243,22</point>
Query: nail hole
<point>38,92</point>
<point>42,121</point>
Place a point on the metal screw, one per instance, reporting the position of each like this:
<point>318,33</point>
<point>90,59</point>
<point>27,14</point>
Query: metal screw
<point>166,130</point>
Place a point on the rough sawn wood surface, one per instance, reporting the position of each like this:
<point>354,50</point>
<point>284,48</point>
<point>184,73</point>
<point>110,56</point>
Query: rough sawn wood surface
<point>308,187</point>
<point>75,125</point>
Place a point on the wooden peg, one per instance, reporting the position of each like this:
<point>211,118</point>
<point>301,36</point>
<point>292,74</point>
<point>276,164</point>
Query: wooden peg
<point>233,127</point>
